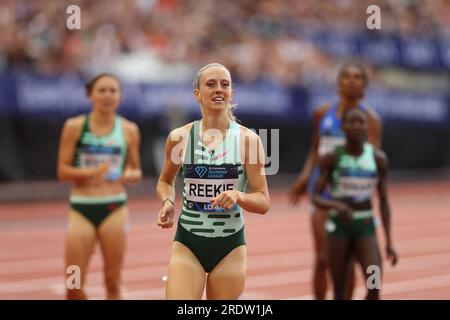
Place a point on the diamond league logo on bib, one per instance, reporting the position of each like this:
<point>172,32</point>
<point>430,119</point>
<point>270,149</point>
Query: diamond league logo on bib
<point>201,171</point>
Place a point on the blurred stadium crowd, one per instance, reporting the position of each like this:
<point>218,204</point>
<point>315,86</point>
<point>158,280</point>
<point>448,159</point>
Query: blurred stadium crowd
<point>258,40</point>
<point>282,54</point>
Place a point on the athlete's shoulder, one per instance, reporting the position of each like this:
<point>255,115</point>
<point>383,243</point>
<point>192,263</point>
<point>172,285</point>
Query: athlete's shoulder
<point>380,158</point>
<point>180,133</point>
<point>372,114</point>
<point>244,129</point>
<point>318,114</point>
<point>129,125</point>
<point>74,123</point>
<point>321,110</point>
<point>328,159</point>
<point>248,133</point>
<point>185,129</point>
<point>379,154</point>
<point>72,128</point>
<point>250,141</point>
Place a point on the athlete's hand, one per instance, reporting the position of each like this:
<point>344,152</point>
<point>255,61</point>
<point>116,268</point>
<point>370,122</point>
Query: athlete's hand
<point>345,213</point>
<point>227,199</point>
<point>131,176</point>
<point>297,190</point>
<point>391,254</point>
<point>165,216</point>
<point>99,173</point>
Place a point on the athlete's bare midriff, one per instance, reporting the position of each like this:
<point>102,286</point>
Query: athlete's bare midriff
<point>95,189</point>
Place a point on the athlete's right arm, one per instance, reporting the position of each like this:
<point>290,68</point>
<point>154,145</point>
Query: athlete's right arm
<point>383,168</point>
<point>300,184</point>
<point>375,129</point>
<point>66,171</point>
<point>165,189</point>
<point>326,163</point>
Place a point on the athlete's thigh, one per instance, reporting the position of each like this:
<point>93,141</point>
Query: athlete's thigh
<point>367,253</point>
<point>112,236</point>
<point>318,219</point>
<point>80,242</point>
<point>186,277</point>
<point>226,281</point>
<point>339,258</point>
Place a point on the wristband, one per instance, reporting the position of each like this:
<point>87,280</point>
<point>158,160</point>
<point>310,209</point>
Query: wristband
<point>173,204</point>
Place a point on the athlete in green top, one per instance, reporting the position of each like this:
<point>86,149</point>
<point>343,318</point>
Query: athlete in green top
<point>354,171</point>
<point>98,152</point>
<point>352,81</point>
<point>217,157</point>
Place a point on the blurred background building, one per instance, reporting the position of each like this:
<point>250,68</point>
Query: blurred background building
<point>283,56</point>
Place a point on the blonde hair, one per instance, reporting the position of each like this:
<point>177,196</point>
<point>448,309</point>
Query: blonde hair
<point>196,84</point>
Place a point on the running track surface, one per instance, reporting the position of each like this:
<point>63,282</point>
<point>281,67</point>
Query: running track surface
<point>279,245</point>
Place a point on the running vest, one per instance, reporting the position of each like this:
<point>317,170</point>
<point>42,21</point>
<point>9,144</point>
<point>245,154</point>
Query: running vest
<point>354,179</point>
<point>330,131</point>
<point>92,150</point>
<point>330,136</point>
<point>206,175</point>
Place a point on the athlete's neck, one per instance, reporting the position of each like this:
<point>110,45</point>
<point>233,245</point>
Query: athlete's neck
<point>102,119</point>
<point>212,121</point>
<point>354,148</point>
<point>208,129</point>
<point>347,102</point>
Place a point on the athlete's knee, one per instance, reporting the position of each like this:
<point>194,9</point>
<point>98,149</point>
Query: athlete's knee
<point>112,283</point>
<point>321,262</point>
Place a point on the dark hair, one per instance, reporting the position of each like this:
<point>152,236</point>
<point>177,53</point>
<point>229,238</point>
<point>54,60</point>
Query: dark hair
<point>91,83</point>
<point>347,112</point>
<point>356,65</point>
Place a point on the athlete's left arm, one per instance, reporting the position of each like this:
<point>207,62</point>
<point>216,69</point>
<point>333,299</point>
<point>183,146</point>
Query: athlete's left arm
<point>258,201</point>
<point>375,130</point>
<point>382,165</point>
<point>132,173</point>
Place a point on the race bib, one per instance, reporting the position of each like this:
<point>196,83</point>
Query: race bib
<point>356,187</point>
<point>91,156</point>
<point>204,182</point>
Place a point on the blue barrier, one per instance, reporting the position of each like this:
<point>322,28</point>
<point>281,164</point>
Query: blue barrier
<point>64,96</point>
<point>383,49</point>
<point>397,106</point>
